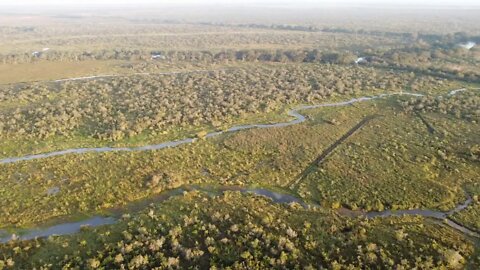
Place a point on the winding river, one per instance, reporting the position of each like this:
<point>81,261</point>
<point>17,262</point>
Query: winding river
<point>73,227</point>
<point>295,113</point>
<point>276,197</point>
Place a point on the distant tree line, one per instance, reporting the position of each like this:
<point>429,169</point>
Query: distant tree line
<point>251,55</point>
<point>451,38</point>
<point>433,62</point>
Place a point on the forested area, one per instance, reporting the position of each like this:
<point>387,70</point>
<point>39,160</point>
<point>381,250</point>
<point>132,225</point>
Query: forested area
<point>238,231</point>
<point>262,55</point>
<point>174,42</point>
<point>118,107</point>
<point>463,105</point>
<point>448,61</point>
<point>433,171</point>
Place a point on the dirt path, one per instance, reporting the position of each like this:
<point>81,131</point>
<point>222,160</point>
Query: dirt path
<point>321,158</point>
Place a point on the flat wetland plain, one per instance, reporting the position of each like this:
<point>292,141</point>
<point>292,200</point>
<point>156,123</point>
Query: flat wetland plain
<point>391,134</point>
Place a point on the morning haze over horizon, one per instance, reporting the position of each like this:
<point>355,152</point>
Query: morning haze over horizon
<point>305,3</point>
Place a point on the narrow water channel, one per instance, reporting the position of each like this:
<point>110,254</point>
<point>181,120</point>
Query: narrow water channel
<point>73,227</point>
<point>298,118</point>
<point>276,197</point>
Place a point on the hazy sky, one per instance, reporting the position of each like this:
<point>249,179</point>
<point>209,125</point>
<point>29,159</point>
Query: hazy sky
<point>243,2</point>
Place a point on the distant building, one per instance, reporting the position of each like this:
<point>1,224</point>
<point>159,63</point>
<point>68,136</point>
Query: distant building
<point>469,45</point>
<point>158,56</point>
<point>361,60</point>
<point>39,53</point>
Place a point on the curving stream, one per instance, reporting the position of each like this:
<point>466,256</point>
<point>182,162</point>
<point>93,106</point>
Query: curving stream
<point>73,227</point>
<point>276,197</point>
<point>298,118</point>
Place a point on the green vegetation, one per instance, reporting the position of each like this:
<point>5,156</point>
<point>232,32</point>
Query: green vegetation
<point>265,157</point>
<point>135,110</point>
<point>245,232</point>
<point>390,158</point>
<point>462,105</point>
<point>171,78</point>
<point>470,216</point>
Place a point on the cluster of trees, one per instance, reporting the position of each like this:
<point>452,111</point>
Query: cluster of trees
<point>450,62</point>
<point>114,108</point>
<point>206,56</point>
<point>243,232</point>
<point>307,28</point>
<point>431,54</point>
<point>423,59</point>
<point>451,38</point>
<point>464,105</point>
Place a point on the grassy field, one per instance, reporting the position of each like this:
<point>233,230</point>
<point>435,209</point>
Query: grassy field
<point>390,158</point>
<point>45,71</point>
